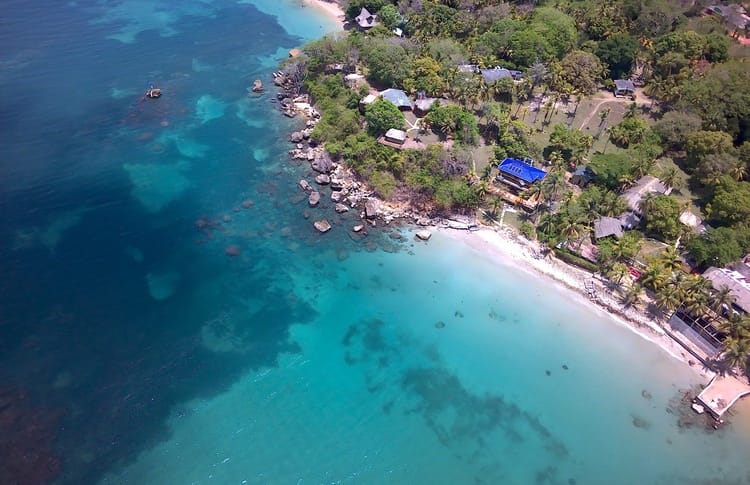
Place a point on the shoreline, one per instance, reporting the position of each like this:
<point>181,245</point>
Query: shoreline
<point>331,10</point>
<point>503,246</point>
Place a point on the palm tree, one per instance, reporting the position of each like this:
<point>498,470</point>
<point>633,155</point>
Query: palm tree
<point>570,229</point>
<point>668,298</point>
<point>739,172</point>
<point>632,295</point>
<point>721,298</point>
<point>736,354</point>
<point>670,177</point>
<point>626,181</point>
<point>670,260</point>
<point>654,276</point>
<point>617,272</point>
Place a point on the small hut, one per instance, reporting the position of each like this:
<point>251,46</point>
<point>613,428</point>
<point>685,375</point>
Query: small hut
<point>624,88</point>
<point>365,19</point>
<point>395,136</point>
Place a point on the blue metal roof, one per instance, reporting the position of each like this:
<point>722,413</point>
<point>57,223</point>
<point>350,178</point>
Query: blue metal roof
<point>521,169</point>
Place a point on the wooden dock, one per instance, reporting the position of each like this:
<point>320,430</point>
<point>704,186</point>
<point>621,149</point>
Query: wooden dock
<point>721,393</point>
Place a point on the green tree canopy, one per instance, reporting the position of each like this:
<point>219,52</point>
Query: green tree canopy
<point>731,201</point>
<point>452,120</point>
<point>556,27</point>
<point>699,144</point>
<point>383,115</point>
<point>630,131</point>
<point>388,63</point>
<point>661,215</point>
<point>582,72</point>
<point>618,53</point>
<point>674,127</point>
<point>717,247</point>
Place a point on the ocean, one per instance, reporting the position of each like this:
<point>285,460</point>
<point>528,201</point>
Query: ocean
<point>168,314</point>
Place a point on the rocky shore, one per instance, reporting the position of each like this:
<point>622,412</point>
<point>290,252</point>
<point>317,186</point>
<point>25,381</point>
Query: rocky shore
<point>338,183</point>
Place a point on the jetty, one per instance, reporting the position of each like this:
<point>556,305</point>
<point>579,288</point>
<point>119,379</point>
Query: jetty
<point>721,393</point>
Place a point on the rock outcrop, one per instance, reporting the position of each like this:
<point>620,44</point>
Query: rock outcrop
<point>322,226</point>
<point>371,208</point>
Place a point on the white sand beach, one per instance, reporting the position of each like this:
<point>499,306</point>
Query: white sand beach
<point>330,9</point>
<point>506,247</point>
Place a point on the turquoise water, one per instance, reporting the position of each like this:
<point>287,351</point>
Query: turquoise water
<point>135,350</point>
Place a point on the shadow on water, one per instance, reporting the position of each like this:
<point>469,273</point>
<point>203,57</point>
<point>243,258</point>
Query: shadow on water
<point>462,420</point>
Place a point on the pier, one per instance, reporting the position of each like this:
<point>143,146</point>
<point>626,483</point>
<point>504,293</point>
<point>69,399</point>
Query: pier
<point>721,393</point>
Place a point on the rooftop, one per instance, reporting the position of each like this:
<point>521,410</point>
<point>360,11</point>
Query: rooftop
<point>365,19</point>
<point>607,226</point>
<point>624,85</point>
<point>521,170</point>
<point>397,97</point>
<point>395,134</point>
<point>492,75</point>
<point>643,186</point>
<point>735,281</point>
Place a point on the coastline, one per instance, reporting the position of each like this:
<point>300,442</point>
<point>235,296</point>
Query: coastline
<point>503,246</point>
<point>331,10</point>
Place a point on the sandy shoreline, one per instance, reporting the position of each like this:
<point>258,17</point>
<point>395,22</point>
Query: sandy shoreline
<point>330,9</point>
<point>506,247</point>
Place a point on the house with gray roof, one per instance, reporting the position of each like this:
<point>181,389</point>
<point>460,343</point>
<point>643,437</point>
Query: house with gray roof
<point>365,19</point>
<point>607,226</point>
<point>624,88</point>
<point>737,283</point>
<point>397,97</point>
<point>493,75</point>
<point>644,185</point>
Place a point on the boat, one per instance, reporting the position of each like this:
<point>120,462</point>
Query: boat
<point>153,93</point>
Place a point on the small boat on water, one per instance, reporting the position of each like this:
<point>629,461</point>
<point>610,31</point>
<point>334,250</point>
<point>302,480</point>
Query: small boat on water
<point>153,92</point>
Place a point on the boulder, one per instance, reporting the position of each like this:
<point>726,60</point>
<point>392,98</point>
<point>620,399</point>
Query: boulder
<point>314,198</point>
<point>337,184</point>
<point>257,86</point>
<point>322,163</point>
<point>424,235</point>
<point>341,208</point>
<point>323,179</point>
<point>322,226</point>
<point>358,228</point>
<point>336,196</point>
<point>305,185</point>
<point>296,137</point>
<point>371,208</point>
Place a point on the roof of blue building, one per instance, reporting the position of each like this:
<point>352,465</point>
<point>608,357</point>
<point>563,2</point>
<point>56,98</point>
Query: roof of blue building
<point>521,169</point>
<point>397,97</point>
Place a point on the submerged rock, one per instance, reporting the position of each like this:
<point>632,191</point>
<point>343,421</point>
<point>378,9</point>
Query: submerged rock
<point>322,226</point>
<point>232,250</point>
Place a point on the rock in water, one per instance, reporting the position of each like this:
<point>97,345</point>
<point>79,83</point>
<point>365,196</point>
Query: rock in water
<point>358,228</point>
<point>341,208</point>
<point>424,235</point>
<point>305,185</point>
<point>322,226</point>
<point>257,86</point>
<point>371,208</point>
<point>314,198</point>
<point>323,179</point>
<point>322,163</point>
<point>296,137</point>
<point>232,250</point>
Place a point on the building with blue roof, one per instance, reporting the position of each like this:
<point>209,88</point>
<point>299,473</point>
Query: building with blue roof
<point>397,97</point>
<point>518,174</point>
